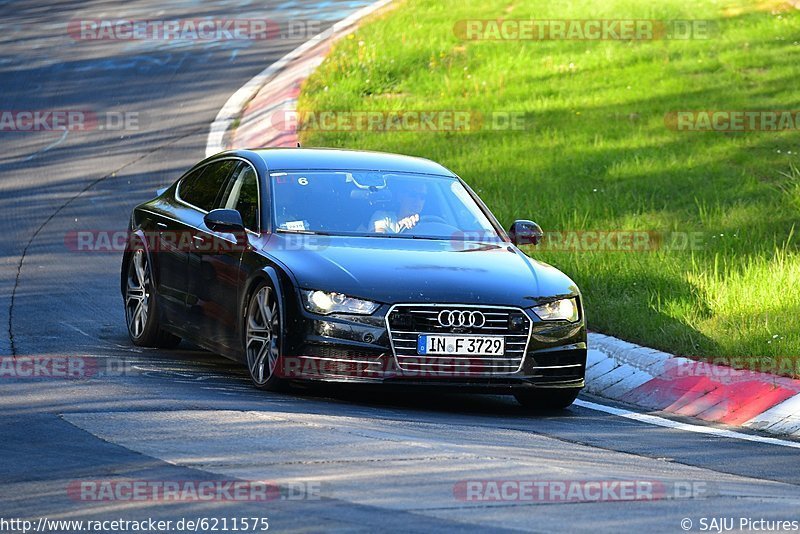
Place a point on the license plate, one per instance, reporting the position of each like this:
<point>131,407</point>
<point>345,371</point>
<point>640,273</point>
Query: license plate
<point>455,345</point>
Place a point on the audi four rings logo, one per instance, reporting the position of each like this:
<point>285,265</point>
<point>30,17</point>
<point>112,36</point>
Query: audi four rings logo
<point>465,318</point>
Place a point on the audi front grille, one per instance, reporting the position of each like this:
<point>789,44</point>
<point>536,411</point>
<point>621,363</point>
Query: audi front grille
<point>405,322</point>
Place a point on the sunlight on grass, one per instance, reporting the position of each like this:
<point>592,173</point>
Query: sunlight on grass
<point>596,153</point>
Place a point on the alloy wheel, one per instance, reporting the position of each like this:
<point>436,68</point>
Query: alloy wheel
<point>262,335</point>
<point>137,294</point>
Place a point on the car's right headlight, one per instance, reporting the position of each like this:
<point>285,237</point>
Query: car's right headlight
<point>558,310</point>
<point>325,302</point>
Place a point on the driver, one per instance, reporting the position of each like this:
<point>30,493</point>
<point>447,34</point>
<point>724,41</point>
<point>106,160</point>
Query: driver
<point>411,201</point>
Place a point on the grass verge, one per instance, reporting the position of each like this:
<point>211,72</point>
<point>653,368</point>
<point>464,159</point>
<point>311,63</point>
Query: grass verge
<point>596,153</point>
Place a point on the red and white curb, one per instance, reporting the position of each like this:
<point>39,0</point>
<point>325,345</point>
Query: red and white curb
<point>655,380</point>
<point>617,370</point>
<point>273,93</point>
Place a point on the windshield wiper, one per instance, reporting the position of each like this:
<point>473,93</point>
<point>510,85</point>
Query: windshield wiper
<point>346,234</point>
<point>406,236</point>
<point>304,232</point>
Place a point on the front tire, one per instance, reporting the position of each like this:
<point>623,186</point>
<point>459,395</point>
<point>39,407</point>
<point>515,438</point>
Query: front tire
<point>141,313</point>
<point>262,337</point>
<point>547,399</point>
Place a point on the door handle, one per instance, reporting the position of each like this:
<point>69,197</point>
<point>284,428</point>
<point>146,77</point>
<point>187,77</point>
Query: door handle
<point>200,243</point>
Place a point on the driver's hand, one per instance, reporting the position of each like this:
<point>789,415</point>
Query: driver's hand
<point>408,222</point>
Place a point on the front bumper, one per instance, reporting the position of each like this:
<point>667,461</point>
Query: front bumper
<point>358,349</point>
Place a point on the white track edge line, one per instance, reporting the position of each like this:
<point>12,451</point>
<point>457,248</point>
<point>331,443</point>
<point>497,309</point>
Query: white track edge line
<point>235,104</point>
<point>669,423</point>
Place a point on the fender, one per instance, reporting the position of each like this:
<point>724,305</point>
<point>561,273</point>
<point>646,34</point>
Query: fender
<point>265,274</point>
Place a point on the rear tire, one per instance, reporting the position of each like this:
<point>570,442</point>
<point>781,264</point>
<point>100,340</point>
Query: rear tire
<point>141,311</point>
<point>262,338</point>
<point>547,399</point>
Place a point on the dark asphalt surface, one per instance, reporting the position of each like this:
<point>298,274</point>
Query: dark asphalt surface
<point>385,460</point>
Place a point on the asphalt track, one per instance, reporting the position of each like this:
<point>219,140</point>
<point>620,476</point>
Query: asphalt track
<point>383,460</point>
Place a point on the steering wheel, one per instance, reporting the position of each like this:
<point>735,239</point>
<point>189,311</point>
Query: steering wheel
<point>430,219</point>
<point>433,218</point>
<point>424,219</point>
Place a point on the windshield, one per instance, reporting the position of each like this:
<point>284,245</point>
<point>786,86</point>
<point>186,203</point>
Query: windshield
<point>377,204</point>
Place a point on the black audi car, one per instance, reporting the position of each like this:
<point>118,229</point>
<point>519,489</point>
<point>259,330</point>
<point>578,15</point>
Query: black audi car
<point>351,266</point>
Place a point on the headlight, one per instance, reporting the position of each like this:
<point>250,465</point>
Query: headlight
<point>325,302</point>
<point>558,310</point>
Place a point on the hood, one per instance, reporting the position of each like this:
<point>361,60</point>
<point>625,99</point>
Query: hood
<point>394,270</point>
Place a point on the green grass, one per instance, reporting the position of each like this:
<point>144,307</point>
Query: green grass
<point>596,154</point>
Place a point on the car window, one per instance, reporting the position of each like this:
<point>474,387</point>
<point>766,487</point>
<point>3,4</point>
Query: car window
<point>225,197</point>
<point>202,189</point>
<point>187,181</point>
<point>343,202</point>
<point>242,195</point>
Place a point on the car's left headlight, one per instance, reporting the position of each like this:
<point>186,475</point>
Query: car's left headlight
<point>325,302</point>
<point>558,310</point>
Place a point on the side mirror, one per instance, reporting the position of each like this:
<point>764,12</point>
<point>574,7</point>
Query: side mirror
<point>223,220</point>
<point>525,233</point>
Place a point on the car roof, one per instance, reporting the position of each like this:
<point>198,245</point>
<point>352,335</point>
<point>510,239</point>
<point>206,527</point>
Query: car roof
<point>287,159</point>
